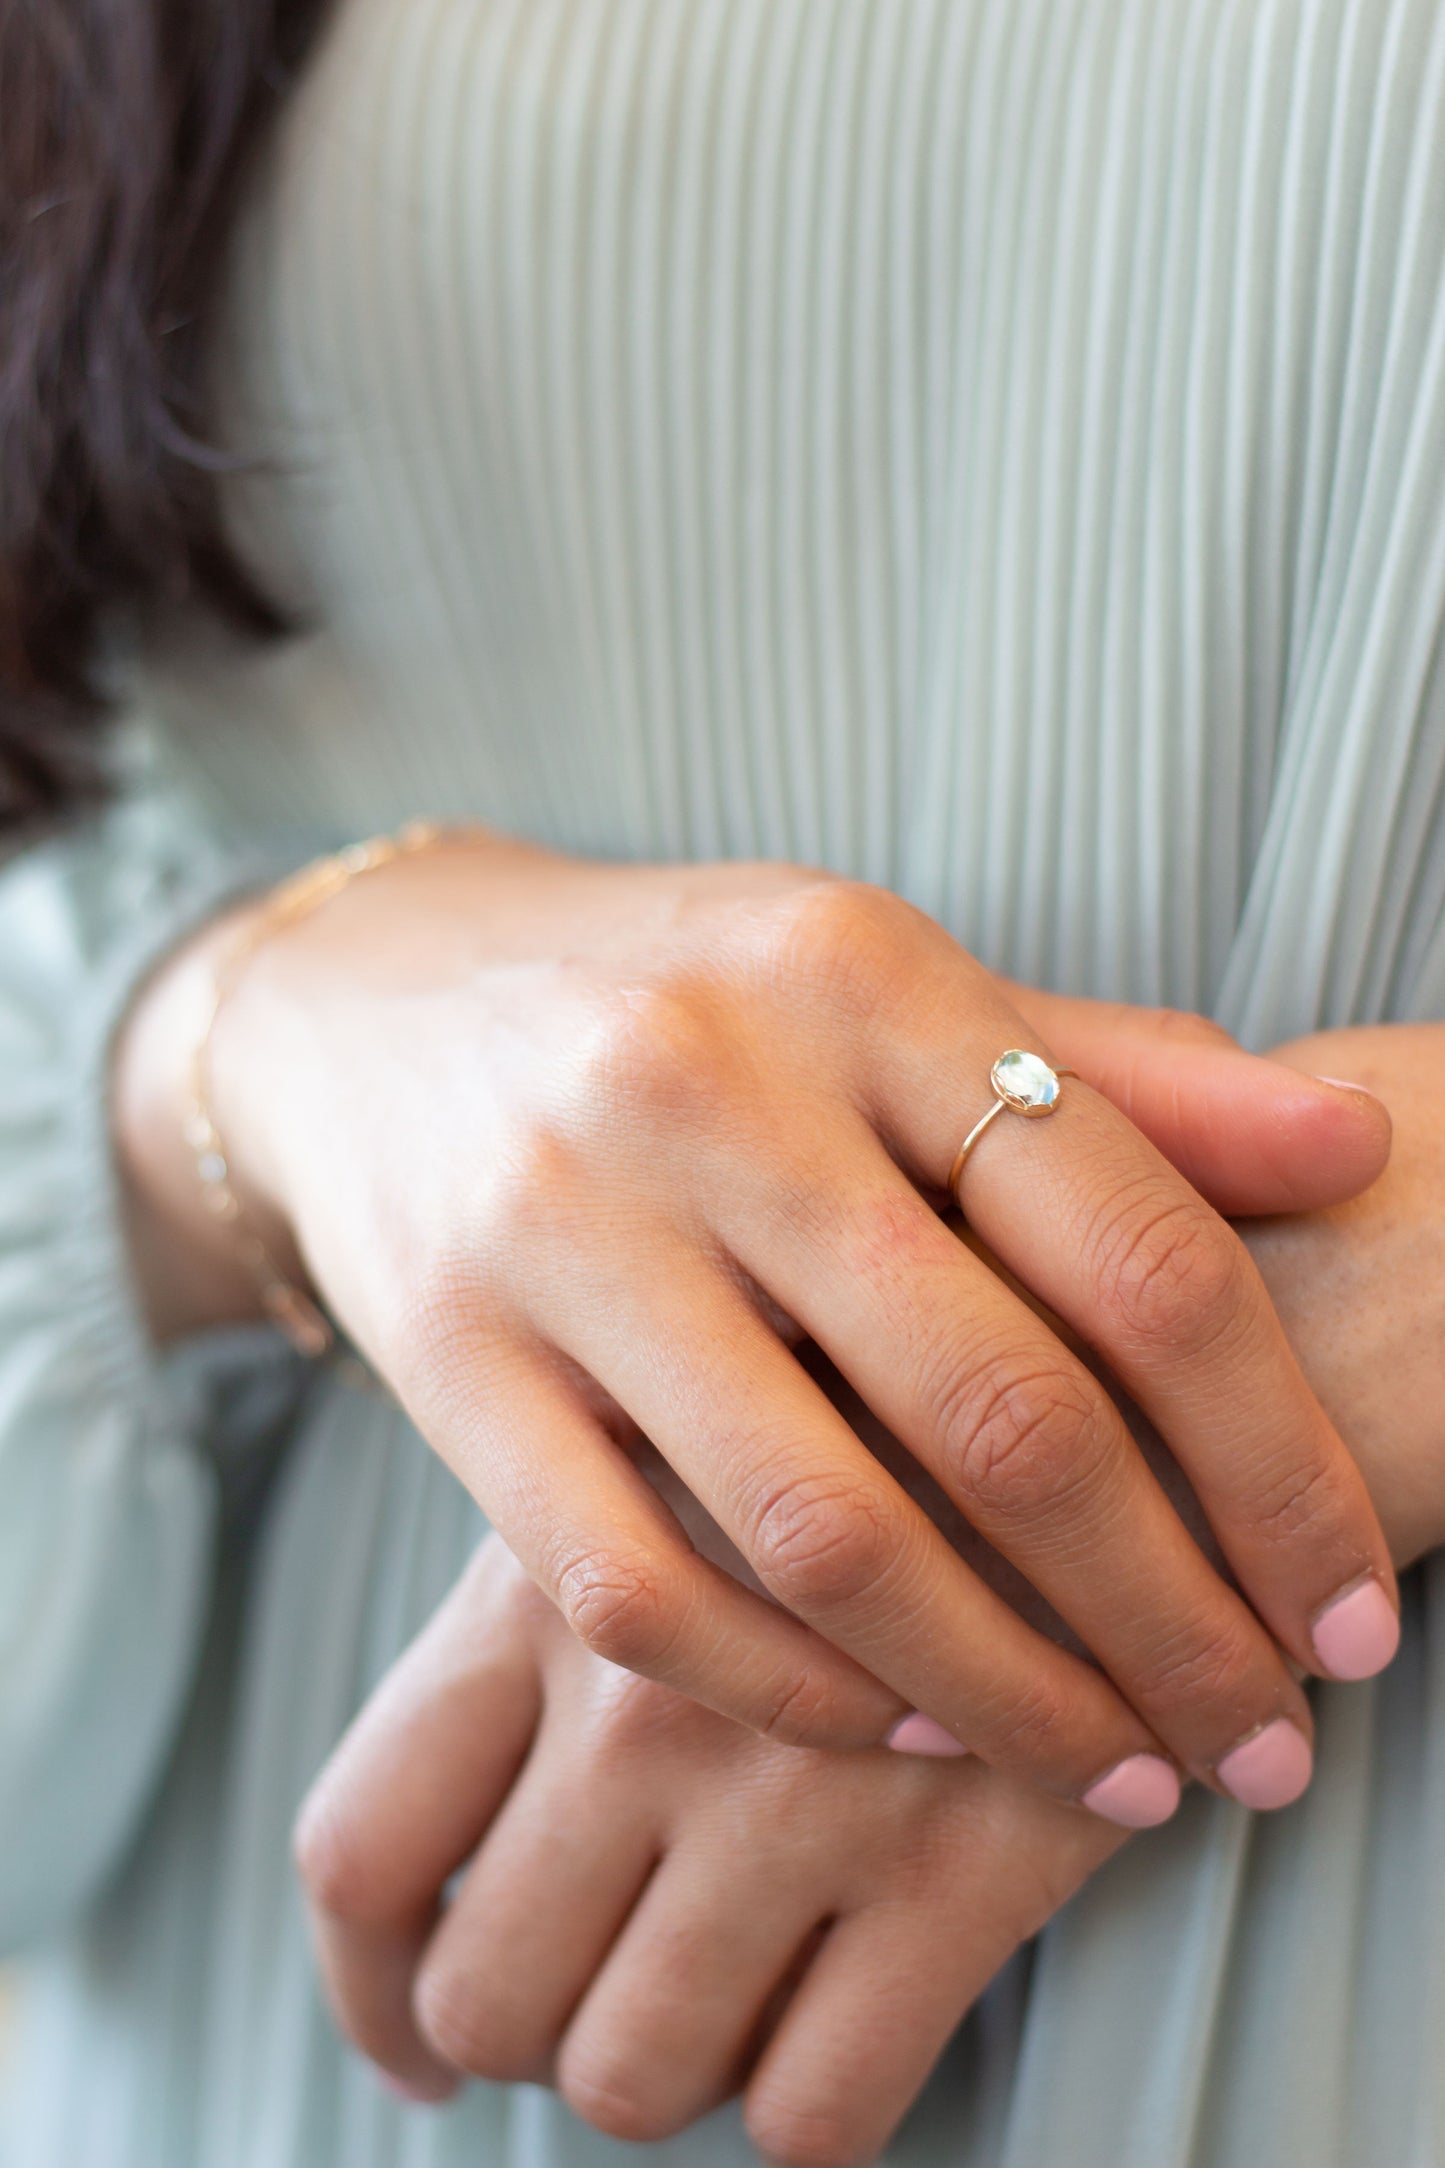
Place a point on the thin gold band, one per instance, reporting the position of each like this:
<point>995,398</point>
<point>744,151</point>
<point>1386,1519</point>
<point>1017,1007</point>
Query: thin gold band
<point>1000,1106</point>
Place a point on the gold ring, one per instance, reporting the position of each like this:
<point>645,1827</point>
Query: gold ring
<point>1023,1084</point>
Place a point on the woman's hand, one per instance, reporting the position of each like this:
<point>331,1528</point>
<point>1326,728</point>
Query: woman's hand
<point>645,2029</point>
<point>658,1908</point>
<point>1358,1283</point>
<point>562,1142</point>
<point>1360,1286</point>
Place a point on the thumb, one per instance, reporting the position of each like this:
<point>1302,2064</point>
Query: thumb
<point>1253,1136</point>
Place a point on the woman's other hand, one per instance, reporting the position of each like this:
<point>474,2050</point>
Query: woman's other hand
<point>1360,1286</point>
<point>1357,1282</point>
<point>562,1142</point>
<point>657,1908</point>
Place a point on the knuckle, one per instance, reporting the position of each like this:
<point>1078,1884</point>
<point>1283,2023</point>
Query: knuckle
<point>473,2031</point>
<point>820,1542</point>
<point>1174,1274</point>
<point>800,1713</point>
<point>532,1187</point>
<point>1188,1027</point>
<point>331,1858</point>
<point>799,2133</point>
<point>1297,1503</point>
<point>1020,1442</point>
<point>620,1609</point>
<point>432,1314</point>
<point>641,1718</point>
<point>1038,1886</point>
<point>1032,1731</point>
<point>439,1325</point>
<point>1197,1671</point>
<point>609,2091</point>
<point>840,936</point>
<point>667,1052</point>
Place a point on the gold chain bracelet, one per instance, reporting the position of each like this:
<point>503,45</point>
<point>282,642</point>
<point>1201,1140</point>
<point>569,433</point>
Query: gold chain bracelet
<point>288,1306</point>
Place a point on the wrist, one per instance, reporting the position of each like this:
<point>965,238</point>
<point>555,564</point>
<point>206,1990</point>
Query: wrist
<point>270,1000</point>
<point>187,1271</point>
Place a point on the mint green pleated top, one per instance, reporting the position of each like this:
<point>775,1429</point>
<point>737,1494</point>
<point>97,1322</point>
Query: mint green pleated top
<point>992,447</point>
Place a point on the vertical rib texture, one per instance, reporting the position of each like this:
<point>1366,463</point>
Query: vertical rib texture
<point>989,449</point>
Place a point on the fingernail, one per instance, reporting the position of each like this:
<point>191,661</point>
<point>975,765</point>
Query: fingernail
<point>1357,1634</point>
<point>414,2095</point>
<point>1137,1794</point>
<point>1269,1770</point>
<point>1345,1084</point>
<point>918,1734</point>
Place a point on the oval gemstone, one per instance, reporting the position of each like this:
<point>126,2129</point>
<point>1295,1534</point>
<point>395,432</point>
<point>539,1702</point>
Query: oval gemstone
<point>1024,1081</point>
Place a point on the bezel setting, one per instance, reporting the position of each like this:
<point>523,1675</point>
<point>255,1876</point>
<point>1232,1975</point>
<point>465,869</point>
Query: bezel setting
<point>1025,1083</point>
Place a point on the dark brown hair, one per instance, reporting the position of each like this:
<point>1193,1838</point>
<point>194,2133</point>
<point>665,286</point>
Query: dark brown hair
<point>125,131</point>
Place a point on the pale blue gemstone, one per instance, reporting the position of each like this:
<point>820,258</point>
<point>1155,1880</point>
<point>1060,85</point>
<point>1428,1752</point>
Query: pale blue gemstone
<point>1025,1081</point>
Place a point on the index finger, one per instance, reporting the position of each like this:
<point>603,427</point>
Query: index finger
<point>404,1800</point>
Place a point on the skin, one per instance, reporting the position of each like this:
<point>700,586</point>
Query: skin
<point>563,1144</point>
<point>661,1909</point>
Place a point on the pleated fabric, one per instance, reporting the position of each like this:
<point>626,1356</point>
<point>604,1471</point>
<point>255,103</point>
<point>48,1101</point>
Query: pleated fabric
<point>995,448</point>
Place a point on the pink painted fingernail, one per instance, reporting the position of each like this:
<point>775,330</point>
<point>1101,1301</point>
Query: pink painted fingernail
<point>1357,1634</point>
<point>918,1734</point>
<point>1345,1084</point>
<point>1138,1793</point>
<point>1271,1769</point>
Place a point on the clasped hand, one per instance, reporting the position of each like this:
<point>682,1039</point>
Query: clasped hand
<point>658,1908</point>
<point>565,1145</point>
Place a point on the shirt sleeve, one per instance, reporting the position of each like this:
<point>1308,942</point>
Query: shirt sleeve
<point>108,1500</point>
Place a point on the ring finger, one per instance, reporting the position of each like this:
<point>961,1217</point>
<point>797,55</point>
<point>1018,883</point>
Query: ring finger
<point>402,1802</point>
<point>560,1870</point>
<point>665,2029</point>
